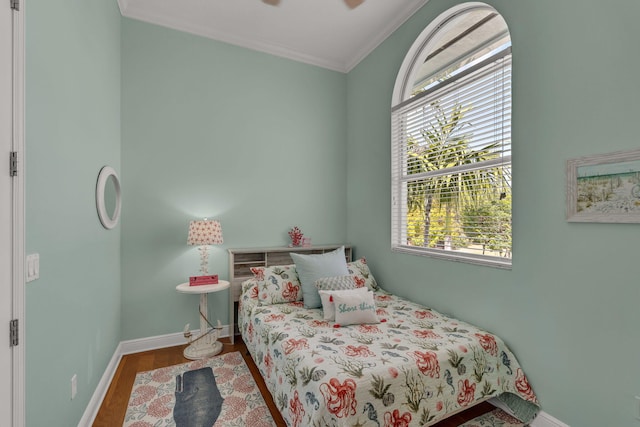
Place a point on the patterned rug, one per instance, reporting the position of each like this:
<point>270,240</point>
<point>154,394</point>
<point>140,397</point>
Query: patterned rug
<point>495,418</point>
<point>218,391</point>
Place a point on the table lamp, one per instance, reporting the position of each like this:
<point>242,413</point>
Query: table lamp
<point>204,233</point>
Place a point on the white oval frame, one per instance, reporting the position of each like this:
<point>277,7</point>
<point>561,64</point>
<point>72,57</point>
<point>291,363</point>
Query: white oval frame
<point>103,177</point>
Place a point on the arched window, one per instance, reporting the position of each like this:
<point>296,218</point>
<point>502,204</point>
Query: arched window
<point>451,140</point>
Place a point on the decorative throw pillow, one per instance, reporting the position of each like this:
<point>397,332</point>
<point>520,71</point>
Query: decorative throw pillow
<point>363,277</point>
<point>313,267</point>
<point>248,284</point>
<point>277,284</point>
<point>354,309</point>
<point>328,305</point>
<point>335,283</point>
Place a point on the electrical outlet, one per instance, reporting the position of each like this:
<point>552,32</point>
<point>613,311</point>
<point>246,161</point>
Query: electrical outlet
<point>74,386</point>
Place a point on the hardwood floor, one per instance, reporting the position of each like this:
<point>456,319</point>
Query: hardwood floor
<point>114,405</point>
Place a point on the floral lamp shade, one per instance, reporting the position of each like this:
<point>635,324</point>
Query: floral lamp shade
<point>205,232</point>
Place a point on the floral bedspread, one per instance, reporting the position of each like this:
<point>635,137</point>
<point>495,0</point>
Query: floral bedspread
<point>414,368</point>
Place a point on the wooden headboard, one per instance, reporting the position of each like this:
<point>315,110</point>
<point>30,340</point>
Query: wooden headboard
<point>241,261</point>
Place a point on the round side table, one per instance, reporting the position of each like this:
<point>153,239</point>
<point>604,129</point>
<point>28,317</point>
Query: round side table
<point>206,344</point>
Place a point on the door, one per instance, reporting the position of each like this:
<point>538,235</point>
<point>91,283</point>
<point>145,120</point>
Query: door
<point>6,209</point>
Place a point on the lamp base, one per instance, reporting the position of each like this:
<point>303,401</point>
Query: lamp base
<point>204,259</point>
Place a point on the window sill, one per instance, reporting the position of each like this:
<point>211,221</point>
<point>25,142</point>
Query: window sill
<point>488,261</point>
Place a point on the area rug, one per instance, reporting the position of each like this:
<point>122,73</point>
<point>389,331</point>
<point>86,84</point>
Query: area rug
<point>219,391</point>
<point>495,418</point>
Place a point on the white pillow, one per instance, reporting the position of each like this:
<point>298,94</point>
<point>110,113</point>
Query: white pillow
<point>355,309</point>
<point>328,307</point>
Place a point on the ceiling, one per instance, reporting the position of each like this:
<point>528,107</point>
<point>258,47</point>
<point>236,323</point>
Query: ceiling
<point>325,33</point>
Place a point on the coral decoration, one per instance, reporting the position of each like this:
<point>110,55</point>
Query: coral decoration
<point>296,236</point>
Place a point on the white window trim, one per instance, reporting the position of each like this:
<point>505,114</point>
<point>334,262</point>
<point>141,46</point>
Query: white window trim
<point>403,87</point>
<point>422,46</point>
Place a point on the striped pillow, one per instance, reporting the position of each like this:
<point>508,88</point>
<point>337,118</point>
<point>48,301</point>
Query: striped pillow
<point>335,283</point>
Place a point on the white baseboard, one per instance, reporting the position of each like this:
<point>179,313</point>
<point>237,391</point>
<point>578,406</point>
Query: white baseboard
<point>101,390</point>
<point>541,420</point>
<point>545,420</point>
<point>129,347</point>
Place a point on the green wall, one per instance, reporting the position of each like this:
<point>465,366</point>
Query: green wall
<point>263,143</point>
<point>213,130</point>
<point>72,130</point>
<point>569,306</point>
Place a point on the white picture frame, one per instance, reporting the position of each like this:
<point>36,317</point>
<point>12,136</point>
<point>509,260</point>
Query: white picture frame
<point>604,188</point>
<point>108,197</point>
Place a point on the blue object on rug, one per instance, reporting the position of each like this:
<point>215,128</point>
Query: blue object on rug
<point>198,399</point>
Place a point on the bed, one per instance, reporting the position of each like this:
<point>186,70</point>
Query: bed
<point>411,367</point>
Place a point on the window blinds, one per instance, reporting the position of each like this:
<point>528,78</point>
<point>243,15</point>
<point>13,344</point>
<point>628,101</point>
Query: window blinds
<point>451,165</point>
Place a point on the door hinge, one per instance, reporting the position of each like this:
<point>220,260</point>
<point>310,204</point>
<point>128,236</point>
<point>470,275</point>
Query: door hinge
<point>15,4</point>
<point>13,333</point>
<point>13,163</point>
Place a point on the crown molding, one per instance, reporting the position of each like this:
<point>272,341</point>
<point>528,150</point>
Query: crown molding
<point>384,34</point>
<point>123,5</point>
<point>211,33</point>
<point>146,14</point>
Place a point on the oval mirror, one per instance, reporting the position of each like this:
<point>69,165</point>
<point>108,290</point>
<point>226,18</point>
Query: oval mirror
<point>108,198</point>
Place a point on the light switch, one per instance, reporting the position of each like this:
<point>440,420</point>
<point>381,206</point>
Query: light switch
<point>33,267</point>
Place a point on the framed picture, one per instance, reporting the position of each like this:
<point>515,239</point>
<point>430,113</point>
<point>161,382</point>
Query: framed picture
<point>604,188</point>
